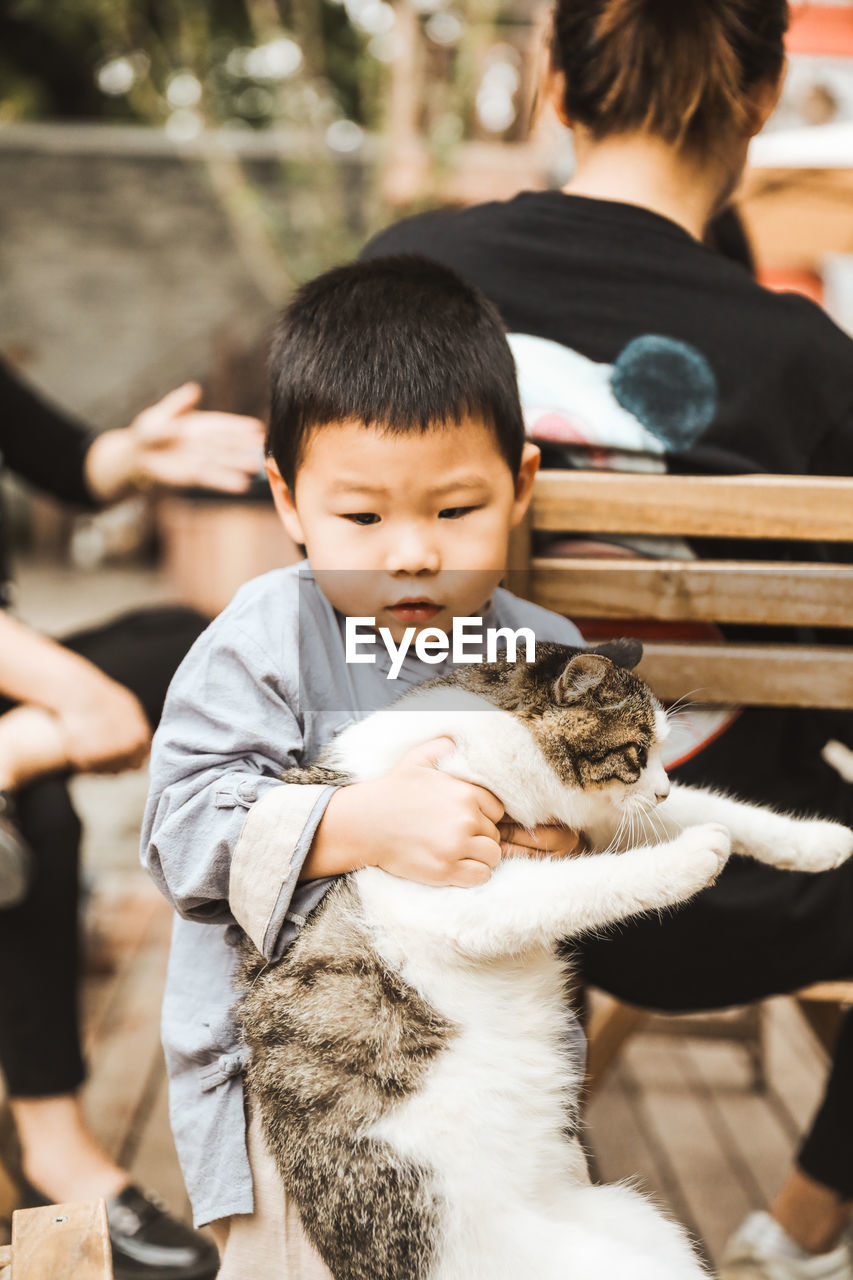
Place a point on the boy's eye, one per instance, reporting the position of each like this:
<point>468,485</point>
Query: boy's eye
<point>363,517</point>
<point>454,513</point>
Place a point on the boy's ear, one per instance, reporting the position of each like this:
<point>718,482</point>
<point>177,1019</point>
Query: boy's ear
<point>524,482</point>
<point>283,499</point>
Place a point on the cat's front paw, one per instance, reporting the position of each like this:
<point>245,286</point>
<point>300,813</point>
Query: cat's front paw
<point>697,857</point>
<point>811,846</point>
<point>708,847</point>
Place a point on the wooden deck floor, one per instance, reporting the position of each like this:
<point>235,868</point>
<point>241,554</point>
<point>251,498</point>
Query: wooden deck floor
<point>125,1095</point>
<point>676,1113</point>
<point>682,1113</point>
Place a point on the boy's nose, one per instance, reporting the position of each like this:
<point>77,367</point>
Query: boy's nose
<point>411,554</point>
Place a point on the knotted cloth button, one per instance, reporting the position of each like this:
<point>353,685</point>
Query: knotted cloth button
<point>248,791</point>
<point>225,1066</point>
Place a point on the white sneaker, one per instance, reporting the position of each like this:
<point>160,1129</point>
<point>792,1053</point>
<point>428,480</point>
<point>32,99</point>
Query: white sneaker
<point>761,1250</point>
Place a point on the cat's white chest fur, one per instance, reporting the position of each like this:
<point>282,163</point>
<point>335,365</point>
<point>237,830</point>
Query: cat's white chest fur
<point>503,1093</point>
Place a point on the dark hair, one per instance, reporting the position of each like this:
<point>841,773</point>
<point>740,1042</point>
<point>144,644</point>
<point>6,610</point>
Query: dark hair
<point>680,69</point>
<point>399,342</point>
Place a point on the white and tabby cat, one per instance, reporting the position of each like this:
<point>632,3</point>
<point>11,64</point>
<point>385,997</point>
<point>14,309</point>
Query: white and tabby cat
<point>408,1055</point>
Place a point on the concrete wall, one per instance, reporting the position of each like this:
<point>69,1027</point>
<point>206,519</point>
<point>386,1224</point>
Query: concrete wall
<point>120,272</point>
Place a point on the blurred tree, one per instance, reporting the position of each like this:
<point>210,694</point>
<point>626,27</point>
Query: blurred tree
<point>255,62</point>
<point>195,67</point>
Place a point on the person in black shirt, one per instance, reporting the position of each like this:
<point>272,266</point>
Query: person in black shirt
<point>638,346</point>
<point>86,704</point>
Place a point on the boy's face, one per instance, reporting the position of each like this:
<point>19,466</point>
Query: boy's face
<point>410,529</point>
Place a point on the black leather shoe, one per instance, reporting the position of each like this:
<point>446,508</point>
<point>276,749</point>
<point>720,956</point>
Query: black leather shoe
<point>15,855</point>
<point>149,1244</point>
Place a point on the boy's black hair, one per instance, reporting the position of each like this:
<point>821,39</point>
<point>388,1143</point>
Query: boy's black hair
<point>400,343</point>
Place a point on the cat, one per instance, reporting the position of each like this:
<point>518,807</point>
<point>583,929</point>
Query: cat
<point>409,1056</point>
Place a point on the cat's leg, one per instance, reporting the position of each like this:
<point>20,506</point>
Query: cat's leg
<point>536,902</point>
<point>795,844</point>
<point>598,1233</point>
<point>627,1221</point>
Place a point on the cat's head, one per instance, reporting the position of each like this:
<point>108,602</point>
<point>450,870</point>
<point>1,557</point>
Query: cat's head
<point>598,725</point>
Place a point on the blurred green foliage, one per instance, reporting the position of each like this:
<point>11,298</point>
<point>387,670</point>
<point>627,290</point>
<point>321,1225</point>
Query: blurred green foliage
<point>114,60</point>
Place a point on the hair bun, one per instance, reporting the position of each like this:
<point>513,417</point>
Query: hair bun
<point>680,69</point>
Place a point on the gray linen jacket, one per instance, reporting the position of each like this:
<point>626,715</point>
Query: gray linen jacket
<point>263,689</point>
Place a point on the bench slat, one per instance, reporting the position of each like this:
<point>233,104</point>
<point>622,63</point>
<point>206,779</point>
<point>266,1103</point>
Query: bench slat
<point>756,674</point>
<point>804,508</point>
<point>65,1241</point>
<point>674,590</point>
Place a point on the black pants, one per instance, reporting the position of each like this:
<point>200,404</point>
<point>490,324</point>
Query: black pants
<point>40,1052</point>
<point>757,931</point>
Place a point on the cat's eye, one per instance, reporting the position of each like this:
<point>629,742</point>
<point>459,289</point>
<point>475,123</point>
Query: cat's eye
<point>642,756</point>
<point>363,517</point>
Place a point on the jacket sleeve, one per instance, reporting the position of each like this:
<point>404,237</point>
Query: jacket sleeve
<point>223,837</point>
<point>41,443</point>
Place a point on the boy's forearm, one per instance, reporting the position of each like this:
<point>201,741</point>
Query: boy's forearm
<point>338,846</point>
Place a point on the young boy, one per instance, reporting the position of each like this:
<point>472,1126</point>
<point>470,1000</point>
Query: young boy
<point>397,457</point>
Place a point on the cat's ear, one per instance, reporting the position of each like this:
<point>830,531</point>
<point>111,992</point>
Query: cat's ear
<point>579,676</point>
<point>624,652</point>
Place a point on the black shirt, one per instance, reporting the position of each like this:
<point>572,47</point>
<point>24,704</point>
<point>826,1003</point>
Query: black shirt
<point>41,444</point>
<point>709,371</point>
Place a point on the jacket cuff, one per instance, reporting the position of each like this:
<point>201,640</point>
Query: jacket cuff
<point>269,853</point>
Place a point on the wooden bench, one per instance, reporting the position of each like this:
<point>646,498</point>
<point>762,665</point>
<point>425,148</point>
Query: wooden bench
<point>58,1242</point>
<point>759,592</point>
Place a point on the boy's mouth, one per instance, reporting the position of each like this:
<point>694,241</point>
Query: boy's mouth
<point>414,610</point>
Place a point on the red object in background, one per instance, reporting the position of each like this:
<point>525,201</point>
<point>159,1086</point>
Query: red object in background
<point>790,280</point>
<point>821,29</point>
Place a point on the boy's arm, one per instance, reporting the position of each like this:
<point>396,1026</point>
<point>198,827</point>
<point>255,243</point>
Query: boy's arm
<point>223,837</point>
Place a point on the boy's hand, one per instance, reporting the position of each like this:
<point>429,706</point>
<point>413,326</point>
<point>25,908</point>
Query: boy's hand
<point>541,842</point>
<point>415,822</point>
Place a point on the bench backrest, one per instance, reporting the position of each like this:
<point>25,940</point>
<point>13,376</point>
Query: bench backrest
<point>757,592</point>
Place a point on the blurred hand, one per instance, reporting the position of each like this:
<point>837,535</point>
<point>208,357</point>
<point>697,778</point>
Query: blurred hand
<point>541,842</point>
<point>178,445</point>
<point>103,727</point>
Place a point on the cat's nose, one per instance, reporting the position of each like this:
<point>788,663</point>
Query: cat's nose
<point>662,790</point>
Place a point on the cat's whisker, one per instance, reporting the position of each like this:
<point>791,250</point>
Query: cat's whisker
<point>687,703</point>
<point>658,824</point>
<point>679,702</point>
<point>614,845</point>
<point>651,823</point>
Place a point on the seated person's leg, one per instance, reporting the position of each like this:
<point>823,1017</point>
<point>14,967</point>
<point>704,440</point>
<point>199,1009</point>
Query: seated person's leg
<point>39,1035</point>
<point>40,1049</point>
